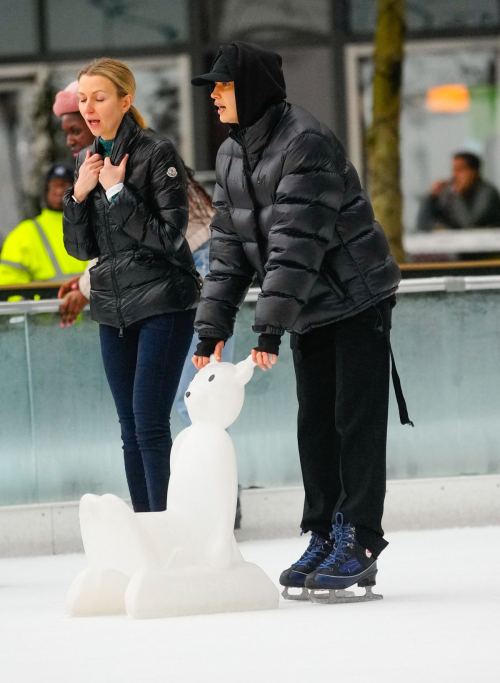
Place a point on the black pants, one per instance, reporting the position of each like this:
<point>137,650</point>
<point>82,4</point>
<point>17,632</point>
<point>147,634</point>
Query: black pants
<point>143,369</point>
<point>342,373</point>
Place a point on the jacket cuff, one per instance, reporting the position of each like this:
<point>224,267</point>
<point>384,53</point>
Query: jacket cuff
<point>84,284</point>
<point>211,333</point>
<point>75,201</point>
<point>113,191</point>
<point>268,329</point>
<point>269,343</point>
<point>206,347</point>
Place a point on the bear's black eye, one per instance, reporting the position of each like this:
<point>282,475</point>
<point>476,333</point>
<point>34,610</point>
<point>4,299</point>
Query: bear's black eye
<point>211,378</point>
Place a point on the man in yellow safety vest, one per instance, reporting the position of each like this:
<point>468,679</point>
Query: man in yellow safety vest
<point>34,251</point>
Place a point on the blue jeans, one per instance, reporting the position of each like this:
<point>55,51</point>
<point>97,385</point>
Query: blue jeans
<point>143,369</point>
<point>189,371</point>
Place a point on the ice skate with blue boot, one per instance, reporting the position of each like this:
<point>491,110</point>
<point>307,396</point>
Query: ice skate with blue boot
<point>294,577</point>
<point>348,564</point>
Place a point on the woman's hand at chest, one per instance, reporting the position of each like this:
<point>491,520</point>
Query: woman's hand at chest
<point>112,175</point>
<point>88,176</point>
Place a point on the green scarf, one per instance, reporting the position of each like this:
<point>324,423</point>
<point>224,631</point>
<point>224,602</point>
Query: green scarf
<point>107,146</point>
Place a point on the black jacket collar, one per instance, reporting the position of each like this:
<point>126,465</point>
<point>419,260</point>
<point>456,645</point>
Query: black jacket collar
<point>256,137</point>
<point>126,136</point>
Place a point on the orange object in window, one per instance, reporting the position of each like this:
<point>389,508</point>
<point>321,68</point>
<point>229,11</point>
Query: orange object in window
<point>448,99</point>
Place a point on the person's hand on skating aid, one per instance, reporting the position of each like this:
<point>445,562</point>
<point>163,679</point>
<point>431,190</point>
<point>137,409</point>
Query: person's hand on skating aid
<point>206,348</point>
<point>267,350</point>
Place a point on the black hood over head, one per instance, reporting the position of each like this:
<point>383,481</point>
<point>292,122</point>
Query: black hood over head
<point>258,79</point>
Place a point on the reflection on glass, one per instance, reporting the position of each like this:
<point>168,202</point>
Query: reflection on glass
<point>87,24</point>
<point>428,15</point>
<point>430,135</point>
<point>255,20</point>
<point>308,79</point>
<point>18,30</point>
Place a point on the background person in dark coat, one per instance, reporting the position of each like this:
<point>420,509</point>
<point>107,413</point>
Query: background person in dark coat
<point>129,207</point>
<point>291,213</point>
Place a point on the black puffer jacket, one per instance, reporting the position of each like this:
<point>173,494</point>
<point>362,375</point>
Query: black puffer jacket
<point>289,210</point>
<point>145,266</point>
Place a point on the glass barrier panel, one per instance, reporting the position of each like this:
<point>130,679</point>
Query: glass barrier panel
<point>78,447</point>
<point>61,438</point>
<point>17,455</point>
<point>446,347</point>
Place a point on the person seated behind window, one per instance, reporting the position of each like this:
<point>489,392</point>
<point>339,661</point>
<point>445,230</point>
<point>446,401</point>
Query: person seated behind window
<point>465,201</point>
<point>34,251</point>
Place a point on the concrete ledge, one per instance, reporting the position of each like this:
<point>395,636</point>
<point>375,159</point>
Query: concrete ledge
<point>49,529</point>
<point>411,504</point>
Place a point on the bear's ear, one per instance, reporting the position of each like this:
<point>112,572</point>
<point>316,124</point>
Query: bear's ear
<point>212,359</point>
<point>244,370</point>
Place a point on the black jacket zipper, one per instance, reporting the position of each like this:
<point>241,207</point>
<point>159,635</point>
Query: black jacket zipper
<point>247,170</point>
<point>113,273</point>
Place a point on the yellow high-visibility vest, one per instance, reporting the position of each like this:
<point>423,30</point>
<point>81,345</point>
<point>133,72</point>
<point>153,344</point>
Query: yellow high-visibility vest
<point>35,252</point>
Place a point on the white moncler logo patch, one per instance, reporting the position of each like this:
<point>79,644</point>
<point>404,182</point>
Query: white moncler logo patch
<point>172,172</point>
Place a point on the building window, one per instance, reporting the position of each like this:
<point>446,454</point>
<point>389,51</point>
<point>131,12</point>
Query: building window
<point>18,33</point>
<point>261,20</point>
<point>17,102</point>
<point>450,103</point>
<point>430,15</point>
<point>100,24</point>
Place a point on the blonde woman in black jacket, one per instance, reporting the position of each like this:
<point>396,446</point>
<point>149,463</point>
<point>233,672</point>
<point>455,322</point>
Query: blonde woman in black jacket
<point>129,208</point>
<point>290,212</point>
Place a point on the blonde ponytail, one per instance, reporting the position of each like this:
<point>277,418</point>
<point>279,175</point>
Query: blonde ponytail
<point>139,119</point>
<point>121,77</point>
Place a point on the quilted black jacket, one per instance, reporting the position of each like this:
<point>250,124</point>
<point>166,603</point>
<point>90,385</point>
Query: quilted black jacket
<point>145,266</point>
<point>290,212</point>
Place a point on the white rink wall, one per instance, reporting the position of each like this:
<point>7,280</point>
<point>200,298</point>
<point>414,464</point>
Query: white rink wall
<point>411,504</point>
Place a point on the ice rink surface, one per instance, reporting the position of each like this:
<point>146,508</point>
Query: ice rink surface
<point>439,622</point>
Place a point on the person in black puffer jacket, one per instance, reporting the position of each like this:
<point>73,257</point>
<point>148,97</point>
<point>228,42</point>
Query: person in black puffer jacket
<point>291,213</point>
<point>129,208</point>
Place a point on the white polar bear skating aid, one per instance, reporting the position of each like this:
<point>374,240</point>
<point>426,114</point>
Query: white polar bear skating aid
<point>185,560</point>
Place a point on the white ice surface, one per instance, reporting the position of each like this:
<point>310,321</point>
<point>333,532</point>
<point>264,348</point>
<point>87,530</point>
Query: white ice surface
<point>439,622</point>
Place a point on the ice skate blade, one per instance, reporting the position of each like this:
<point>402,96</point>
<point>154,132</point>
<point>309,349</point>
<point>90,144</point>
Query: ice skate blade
<point>332,597</point>
<point>303,595</point>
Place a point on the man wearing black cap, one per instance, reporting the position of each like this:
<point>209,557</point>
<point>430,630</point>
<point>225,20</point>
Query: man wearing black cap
<point>34,251</point>
<point>291,214</point>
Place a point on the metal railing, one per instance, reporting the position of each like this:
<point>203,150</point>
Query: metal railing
<point>466,283</point>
